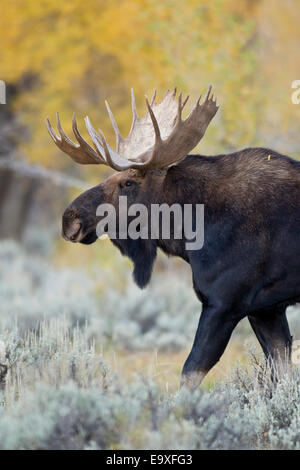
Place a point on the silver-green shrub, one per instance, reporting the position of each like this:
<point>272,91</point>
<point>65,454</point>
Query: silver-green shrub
<point>58,393</point>
<point>164,316</point>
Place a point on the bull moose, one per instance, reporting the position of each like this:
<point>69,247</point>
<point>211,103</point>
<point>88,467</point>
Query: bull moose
<point>249,262</point>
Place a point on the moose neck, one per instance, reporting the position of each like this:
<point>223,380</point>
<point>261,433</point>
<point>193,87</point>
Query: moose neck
<point>184,184</point>
<point>191,181</point>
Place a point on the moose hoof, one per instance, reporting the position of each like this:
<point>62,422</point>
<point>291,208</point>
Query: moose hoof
<point>192,380</point>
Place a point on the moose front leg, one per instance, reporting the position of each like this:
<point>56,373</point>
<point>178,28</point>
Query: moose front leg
<point>272,331</point>
<point>215,327</point>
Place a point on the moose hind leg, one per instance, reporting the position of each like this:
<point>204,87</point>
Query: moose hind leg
<point>272,331</point>
<point>213,333</point>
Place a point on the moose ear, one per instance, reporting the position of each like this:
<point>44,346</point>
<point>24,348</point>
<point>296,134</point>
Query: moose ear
<point>143,254</point>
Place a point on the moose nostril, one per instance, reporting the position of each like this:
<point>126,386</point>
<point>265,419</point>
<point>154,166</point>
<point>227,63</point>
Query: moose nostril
<point>75,235</point>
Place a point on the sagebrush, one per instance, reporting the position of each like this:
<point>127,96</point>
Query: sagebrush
<point>57,392</point>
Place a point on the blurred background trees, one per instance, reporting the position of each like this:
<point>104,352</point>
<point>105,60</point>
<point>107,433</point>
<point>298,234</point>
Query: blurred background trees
<point>71,56</point>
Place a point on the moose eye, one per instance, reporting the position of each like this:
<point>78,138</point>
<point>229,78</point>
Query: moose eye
<point>126,184</point>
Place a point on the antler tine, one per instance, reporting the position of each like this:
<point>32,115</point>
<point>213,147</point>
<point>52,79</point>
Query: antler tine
<point>154,121</point>
<point>83,143</point>
<point>181,105</point>
<point>75,129</point>
<point>208,93</point>
<point>134,111</point>
<point>114,124</point>
<point>80,153</point>
<point>133,105</point>
<point>51,131</point>
<point>108,157</point>
<point>185,101</point>
<point>59,140</point>
<point>107,154</point>
<point>96,139</point>
<point>179,108</point>
<point>62,133</point>
<point>153,97</point>
<point>166,94</point>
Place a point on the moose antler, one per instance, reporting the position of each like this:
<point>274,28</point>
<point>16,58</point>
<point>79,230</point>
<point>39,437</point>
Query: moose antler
<point>157,140</point>
<point>81,152</point>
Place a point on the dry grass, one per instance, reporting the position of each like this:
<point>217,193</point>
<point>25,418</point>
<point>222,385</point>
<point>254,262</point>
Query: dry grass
<point>165,367</point>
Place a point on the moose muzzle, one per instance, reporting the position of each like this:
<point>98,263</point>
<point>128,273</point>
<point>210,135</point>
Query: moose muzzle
<point>77,228</point>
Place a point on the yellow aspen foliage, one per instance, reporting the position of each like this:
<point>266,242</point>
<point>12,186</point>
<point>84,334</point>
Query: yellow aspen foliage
<point>71,56</point>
